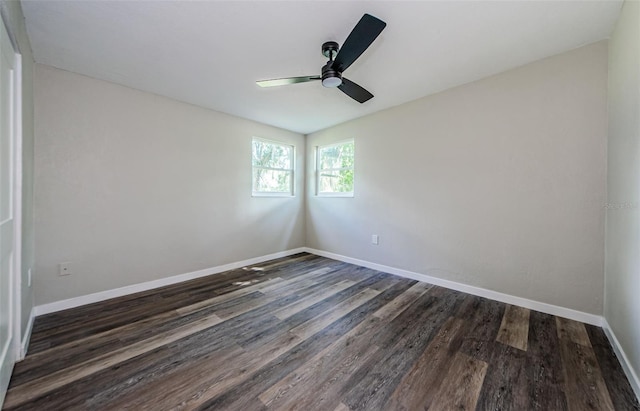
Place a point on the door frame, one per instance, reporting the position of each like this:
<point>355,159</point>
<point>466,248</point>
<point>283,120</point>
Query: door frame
<point>16,130</point>
<point>17,206</point>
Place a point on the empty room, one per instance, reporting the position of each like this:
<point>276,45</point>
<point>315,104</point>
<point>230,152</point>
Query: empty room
<point>320,205</point>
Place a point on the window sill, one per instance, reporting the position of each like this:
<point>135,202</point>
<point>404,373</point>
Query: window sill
<point>330,195</point>
<point>279,195</point>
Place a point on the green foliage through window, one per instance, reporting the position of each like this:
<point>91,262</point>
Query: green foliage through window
<point>272,168</point>
<point>335,168</point>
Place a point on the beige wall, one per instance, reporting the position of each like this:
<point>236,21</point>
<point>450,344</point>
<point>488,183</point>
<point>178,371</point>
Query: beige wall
<point>622,274</point>
<point>132,187</point>
<point>14,21</point>
<point>498,184</point>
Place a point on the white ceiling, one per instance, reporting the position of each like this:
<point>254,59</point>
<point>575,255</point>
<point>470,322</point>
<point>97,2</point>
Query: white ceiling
<point>210,53</point>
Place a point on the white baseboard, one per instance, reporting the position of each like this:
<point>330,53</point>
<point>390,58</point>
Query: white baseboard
<point>27,335</point>
<point>631,374</point>
<point>149,285</point>
<point>469,289</point>
<point>481,292</point>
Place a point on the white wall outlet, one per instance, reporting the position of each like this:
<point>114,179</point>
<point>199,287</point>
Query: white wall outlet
<point>374,239</point>
<point>29,277</point>
<point>65,269</point>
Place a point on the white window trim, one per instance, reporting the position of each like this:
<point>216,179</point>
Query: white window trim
<point>292,192</point>
<point>317,170</point>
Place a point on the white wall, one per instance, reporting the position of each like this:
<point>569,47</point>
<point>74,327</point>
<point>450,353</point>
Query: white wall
<point>132,187</point>
<point>622,276</point>
<point>14,21</point>
<point>498,184</point>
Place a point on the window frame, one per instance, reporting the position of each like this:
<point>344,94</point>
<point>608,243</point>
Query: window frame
<point>291,192</point>
<point>318,170</point>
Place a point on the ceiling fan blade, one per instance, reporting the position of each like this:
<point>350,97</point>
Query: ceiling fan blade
<point>354,91</point>
<point>286,81</point>
<point>360,38</point>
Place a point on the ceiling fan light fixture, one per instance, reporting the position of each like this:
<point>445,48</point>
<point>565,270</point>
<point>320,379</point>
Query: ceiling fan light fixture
<point>331,81</point>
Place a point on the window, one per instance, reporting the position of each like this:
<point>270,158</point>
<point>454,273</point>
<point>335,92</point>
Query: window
<point>272,168</point>
<point>334,169</point>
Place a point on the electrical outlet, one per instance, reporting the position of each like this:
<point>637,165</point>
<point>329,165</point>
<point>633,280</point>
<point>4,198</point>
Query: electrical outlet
<point>374,239</point>
<point>65,269</point>
<point>29,277</point>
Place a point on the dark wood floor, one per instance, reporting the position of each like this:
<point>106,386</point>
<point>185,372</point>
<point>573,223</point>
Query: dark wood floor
<point>309,333</point>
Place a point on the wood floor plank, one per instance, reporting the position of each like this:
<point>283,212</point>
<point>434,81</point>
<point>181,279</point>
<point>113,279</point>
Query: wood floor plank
<point>308,333</point>
<point>320,322</point>
<point>461,386</point>
<point>584,385</point>
<point>484,318</point>
<point>122,306</point>
<point>514,329</point>
<point>419,386</point>
<point>296,307</point>
<point>76,395</point>
<point>618,386</point>
<point>425,315</point>
<point>279,262</point>
<point>218,299</point>
<point>149,390</point>
<point>305,279</point>
<point>329,303</point>
<point>321,373</point>
<point>569,330</point>
<point>545,375</point>
<point>200,382</point>
<point>505,384</point>
<point>401,303</point>
<point>36,388</point>
<point>105,322</point>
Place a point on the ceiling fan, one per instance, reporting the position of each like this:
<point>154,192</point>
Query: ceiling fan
<point>360,38</point>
